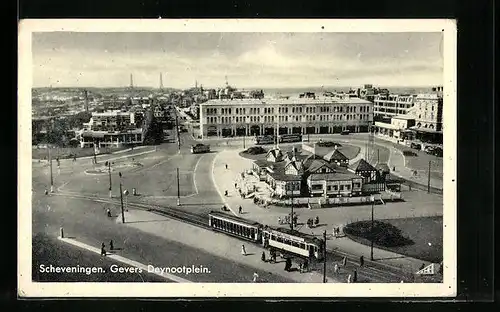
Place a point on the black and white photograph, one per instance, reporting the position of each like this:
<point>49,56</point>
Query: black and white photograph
<point>198,158</point>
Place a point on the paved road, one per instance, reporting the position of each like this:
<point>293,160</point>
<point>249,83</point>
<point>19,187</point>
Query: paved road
<point>86,222</point>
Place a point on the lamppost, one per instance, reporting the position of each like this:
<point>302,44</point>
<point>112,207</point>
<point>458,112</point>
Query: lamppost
<point>429,178</point>
<point>108,163</point>
<point>178,189</point>
<point>324,256</point>
<point>51,176</point>
<point>372,199</point>
<point>121,197</point>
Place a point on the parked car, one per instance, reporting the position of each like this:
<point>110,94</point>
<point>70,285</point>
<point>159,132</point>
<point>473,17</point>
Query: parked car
<point>416,146</point>
<point>345,132</point>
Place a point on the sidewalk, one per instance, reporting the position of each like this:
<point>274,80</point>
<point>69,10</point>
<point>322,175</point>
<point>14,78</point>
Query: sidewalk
<point>224,179</point>
<point>216,243</point>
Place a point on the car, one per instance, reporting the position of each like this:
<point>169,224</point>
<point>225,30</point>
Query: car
<point>345,132</point>
<point>416,146</point>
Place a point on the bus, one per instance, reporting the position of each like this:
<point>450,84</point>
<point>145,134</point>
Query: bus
<point>287,138</point>
<point>200,148</point>
<point>264,139</point>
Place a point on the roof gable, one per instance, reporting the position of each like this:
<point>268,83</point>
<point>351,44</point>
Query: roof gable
<point>363,165</point>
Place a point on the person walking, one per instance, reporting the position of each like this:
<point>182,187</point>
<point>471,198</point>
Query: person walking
<point>225,193</point>
<point>243,250</point>
<point>349,278</point>
<point>263,257</point>
<point>226,166</point>
<point>336,269</point>
<point>255,277</point>
<point>108,212</point>
<point>361,261</point>
<point>103,250</point>
<point>111,246</point>
<point>240,210</point>
<point>344,261</point>
<point>355,276</point>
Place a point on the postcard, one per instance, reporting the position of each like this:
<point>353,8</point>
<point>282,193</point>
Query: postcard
<point>237,158</point>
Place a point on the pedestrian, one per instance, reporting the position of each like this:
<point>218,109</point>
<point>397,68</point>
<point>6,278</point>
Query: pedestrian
<point>103,250</point>
<point>361,261</point>
<point>263,257</point>
<point>306,265</point>
<point>240,209</point>
<point>103,245</point>
<point>243,250</point>
<point>301,267</point>
<point>316,222</point>
<point>108,212</point>
<point>235,185</point>
<point>336,269</point>
<point>226,166</point>
<point>349,278</point>
<point>225,193</point>
<point>355,276</point>
<point>111,247</point>
<point>255,277</point>
<point>279,218</point>
<point>46,192</point>
<point>344,261</point>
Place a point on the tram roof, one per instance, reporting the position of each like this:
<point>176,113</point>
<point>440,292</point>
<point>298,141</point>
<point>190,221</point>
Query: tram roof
<point>231,217</point>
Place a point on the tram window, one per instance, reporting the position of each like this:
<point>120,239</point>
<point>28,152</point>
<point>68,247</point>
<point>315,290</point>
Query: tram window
<point>295,244</point>
<point>302,246</point>
<point>279,239</point>
<point>252,232</point>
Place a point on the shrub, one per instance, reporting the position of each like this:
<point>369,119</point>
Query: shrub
<point>409,153</point>
<point>328,144</point>
<point>384,234</point>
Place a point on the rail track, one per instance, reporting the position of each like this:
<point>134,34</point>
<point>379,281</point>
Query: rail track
<point>371,271</point>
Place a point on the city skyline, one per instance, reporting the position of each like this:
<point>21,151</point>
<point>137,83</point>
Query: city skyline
<point>249,60</point>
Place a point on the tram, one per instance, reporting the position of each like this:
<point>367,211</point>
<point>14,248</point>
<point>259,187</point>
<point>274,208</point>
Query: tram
<point>264,139</point>
<point>293,242</point>
<point>288,138</point>
<point>235,226</point>
<point>284,240</point>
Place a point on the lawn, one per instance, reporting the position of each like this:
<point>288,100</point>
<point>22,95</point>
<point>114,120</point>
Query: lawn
<point>421,231</point>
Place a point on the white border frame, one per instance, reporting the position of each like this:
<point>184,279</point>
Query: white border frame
<point>27,288</point>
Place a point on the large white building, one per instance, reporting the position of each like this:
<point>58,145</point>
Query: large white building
<point>386,106</point>
<point>301,115</point>
<point>110,129</point>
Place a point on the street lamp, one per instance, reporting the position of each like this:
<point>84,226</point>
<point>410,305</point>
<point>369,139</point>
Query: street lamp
<point>108,163</point>
<point>126,192</point>
<point>178,189</point>
<point>51,176</point>
<point>372,199</point>
<point>121,197</point>
<point>324,257</point>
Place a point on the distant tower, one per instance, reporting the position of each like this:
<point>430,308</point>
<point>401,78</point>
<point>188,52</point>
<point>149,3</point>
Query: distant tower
<point>86,98</point>
<point>161,82</point>
<point>227,84</point>
<point>131,81</point>
<point>196,84</point>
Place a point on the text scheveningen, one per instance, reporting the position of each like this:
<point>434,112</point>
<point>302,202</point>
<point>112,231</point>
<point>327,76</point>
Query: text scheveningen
<point>70,269</point>
<point>178,270</point>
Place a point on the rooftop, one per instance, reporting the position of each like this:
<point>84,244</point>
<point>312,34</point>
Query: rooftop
<point>285,101</point>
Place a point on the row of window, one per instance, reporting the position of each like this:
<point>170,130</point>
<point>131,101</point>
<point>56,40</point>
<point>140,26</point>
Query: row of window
<point>234,228</point>
<point>317,187</point>
<point>271,119</point>
<point>283,240</point>
<point>286,110</point>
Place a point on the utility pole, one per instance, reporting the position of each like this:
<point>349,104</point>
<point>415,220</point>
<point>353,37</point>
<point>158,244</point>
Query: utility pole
<point>371,230</point>
<point>95,156</point>
<point>51,176</point>
<point>378,155</point>
<point>109,173</point>
<point>291,215</point>
<point>178,189</point>
<point>121,197</point>
<point>429,178</point>
<point>324,257</point>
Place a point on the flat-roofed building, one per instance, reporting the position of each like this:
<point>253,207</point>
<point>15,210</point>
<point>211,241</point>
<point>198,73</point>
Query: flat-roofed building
<point>386,106</point>
<point>241,117</point>
<point>110,129</point>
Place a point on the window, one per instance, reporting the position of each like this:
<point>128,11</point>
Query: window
<point>329,188</point>
<point>341,187</point>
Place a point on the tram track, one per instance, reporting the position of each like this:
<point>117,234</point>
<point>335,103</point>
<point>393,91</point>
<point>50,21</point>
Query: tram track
<point>371,271</point>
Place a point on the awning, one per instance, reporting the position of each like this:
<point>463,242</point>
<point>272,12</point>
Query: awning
<point>426,130</point>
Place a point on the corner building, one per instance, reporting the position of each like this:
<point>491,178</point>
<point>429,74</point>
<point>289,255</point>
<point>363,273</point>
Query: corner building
<point>250,117</point>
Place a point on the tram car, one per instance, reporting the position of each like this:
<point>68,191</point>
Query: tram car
<point>284,240</point>
<point>293,242</point>
<point>235,226</point>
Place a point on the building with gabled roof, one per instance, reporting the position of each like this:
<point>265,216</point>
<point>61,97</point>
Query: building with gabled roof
<point>364,169</point>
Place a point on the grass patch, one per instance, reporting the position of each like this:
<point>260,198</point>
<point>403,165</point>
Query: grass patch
<point>425,234</point>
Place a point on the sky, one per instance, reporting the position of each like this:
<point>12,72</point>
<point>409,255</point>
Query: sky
<point>249,60</point>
